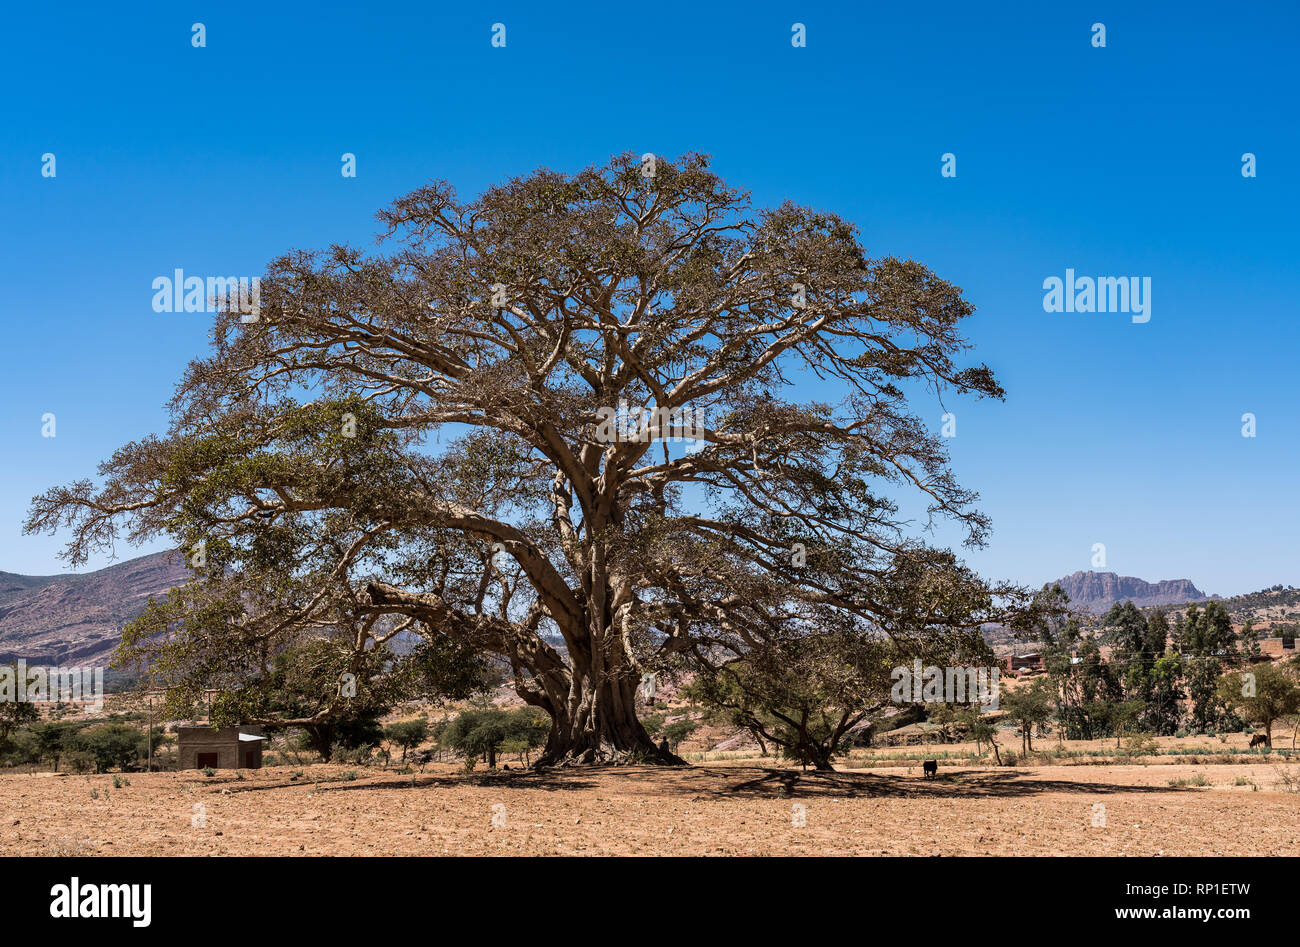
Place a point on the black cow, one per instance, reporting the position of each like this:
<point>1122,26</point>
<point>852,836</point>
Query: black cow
<point>1257,739</point>
<point>930,768</point>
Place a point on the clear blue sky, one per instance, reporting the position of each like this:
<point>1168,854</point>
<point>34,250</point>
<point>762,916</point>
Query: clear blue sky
<point>1117,161</point>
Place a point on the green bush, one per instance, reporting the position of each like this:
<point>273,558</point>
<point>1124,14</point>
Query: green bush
<point>408,734</point>
<point>112,744</point>
<point>485,732</point>
<point>676,733</point>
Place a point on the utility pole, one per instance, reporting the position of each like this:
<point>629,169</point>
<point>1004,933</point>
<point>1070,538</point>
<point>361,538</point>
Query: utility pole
<point>150,768</point>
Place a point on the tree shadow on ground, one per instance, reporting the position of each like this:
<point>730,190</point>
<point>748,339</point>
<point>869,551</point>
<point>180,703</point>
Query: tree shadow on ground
<point>765,783</point>
<point>727,782</point>
<point>551,780</point>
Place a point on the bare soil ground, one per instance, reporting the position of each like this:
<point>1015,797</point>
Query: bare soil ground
<point>711,809</point>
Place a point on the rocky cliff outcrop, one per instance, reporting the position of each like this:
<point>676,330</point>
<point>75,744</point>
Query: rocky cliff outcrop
<point>1098,591</point>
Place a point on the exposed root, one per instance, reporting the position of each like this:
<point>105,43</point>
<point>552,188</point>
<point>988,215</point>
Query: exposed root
<point>608,755</point>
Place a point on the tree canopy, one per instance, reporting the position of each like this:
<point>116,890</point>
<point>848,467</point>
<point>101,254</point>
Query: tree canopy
<point>470,435</point>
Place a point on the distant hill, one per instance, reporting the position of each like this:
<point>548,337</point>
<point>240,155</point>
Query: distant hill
<point>1098,591</point>
<point>77,618</point>
<point>1275,612</point>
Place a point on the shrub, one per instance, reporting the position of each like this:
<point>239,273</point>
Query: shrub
<point>112,744</point>
<point>358,755</point>
<point>1141,744</point>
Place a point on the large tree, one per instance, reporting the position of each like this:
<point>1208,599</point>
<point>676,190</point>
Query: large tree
<point>1208,645</point>
<point>433,439</point>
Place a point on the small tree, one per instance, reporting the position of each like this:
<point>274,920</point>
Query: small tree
<point>407,734</point>
<point>22,749</point>
<point>1293,721</point>
<point>483,732</point>
<point>526,731</point>
<point>14,713</point>
<point>1270,695</point>
<point>111,744</point>
<point>675,733</point>
<point>529,729</point>
<point>54,739</point>
<point>979,728</point>
<point>1029,707</point>
<point>1121,716</point>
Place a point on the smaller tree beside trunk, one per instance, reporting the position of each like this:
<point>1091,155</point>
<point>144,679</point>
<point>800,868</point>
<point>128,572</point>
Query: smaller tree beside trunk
<point>483,732</point>
<point>802,697</point>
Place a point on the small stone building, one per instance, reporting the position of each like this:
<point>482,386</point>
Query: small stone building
<point>1277,647</point>
<point>228,748</point>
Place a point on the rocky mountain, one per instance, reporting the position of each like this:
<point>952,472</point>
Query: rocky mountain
<point>77,619</point>
<point>1098,591</point>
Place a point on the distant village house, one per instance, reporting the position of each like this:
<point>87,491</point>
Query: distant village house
<point>228,748</point>
<point>1012,663</point>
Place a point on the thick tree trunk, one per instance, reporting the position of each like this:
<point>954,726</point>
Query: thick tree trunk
<point>322,739</point>
<point>600,725</point>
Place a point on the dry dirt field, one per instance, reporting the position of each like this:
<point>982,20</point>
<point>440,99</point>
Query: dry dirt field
<point>712,809</point>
